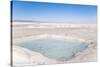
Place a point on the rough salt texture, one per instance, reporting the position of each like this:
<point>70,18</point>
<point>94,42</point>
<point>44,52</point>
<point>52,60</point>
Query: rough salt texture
<point>23,32</point>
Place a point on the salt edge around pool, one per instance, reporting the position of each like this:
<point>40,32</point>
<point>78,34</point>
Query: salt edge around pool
<point>47,35</point>
<point>18,40</point>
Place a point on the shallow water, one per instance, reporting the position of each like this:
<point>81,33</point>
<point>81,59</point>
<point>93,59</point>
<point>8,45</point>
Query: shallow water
<point>58,49</point>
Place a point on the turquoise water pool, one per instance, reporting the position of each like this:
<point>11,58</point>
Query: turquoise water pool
<point>58,49</point>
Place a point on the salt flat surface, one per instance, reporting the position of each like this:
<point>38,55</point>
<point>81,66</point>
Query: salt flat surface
<point>82,32</point>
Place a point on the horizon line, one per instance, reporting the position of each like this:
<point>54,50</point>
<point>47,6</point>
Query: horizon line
<point>31,21</point>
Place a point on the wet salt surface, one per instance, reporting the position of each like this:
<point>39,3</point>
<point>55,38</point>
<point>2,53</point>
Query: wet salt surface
<point>58,49</point>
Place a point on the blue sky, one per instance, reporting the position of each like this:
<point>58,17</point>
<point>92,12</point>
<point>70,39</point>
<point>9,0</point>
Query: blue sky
<point>53,12</point>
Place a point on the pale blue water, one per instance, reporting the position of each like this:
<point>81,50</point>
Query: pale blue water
<point>55,48</point>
